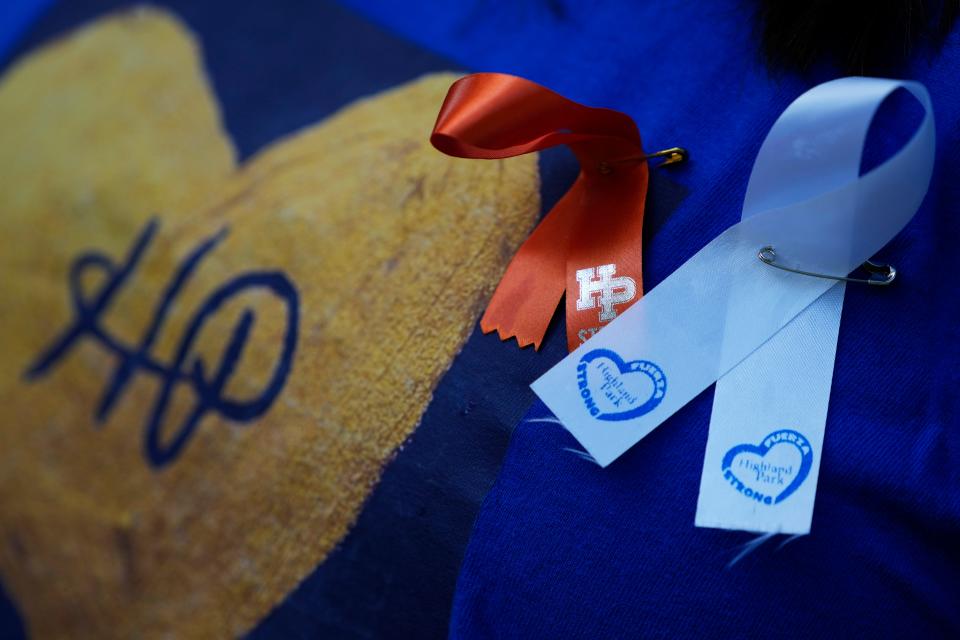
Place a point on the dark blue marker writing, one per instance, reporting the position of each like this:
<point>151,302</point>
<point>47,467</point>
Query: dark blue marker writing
<point>208,382</point>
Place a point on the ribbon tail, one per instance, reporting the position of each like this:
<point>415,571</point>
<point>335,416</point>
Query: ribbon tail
<point>530,290</point>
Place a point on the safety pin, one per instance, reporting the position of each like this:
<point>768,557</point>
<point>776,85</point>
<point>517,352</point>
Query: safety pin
<point>886,272</point>
<point>673,155</point>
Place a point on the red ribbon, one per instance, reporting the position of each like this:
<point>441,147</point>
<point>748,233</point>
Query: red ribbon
<point>597,223</point>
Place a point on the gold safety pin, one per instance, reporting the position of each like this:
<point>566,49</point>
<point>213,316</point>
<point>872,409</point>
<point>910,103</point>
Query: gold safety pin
<point>673,155</point>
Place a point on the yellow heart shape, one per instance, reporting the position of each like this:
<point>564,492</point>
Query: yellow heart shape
<point>391,247</point>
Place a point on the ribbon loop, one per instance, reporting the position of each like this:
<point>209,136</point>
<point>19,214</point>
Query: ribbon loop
<point>493,115</point>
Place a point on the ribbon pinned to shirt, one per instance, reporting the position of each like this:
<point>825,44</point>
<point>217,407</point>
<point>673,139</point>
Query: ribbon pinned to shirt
<point>589,244</point>
<point>727,308</point>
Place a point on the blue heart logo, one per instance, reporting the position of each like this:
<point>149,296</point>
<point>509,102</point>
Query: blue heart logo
<point>769,481</point>
<point>613,390</point>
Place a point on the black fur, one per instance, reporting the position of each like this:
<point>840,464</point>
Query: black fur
<point>857,36</point>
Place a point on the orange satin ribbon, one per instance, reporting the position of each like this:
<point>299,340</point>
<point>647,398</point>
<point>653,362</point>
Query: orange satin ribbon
<point>597,223</point>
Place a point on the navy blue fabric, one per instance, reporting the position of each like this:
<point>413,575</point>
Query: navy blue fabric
<point>15,17</point>
<point>564,549</point>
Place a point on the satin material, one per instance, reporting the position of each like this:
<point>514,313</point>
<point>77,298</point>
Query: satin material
<point>723,303</point>
<point>599,221</point>
<point>816,146</point>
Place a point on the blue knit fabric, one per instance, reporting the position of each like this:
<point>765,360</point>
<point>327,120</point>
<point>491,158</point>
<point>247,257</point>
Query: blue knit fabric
<point>15,17</point>
<point>563,548</point>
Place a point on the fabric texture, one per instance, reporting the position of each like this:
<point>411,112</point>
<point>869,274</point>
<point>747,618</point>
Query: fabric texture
<point>561,548</point>
<point>15,17</point>
<point>564,549</point>
<point>395,571</point>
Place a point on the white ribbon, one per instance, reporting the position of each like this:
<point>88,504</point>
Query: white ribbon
<point>806,199</point>
<point>785,384</point>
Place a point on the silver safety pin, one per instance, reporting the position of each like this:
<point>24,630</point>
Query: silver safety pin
<point>880,274</point>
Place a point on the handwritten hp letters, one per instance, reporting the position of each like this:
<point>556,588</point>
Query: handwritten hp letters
<point>207,381</point>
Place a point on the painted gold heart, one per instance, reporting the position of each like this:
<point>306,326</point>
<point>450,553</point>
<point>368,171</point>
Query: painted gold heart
<point>158,474</point>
